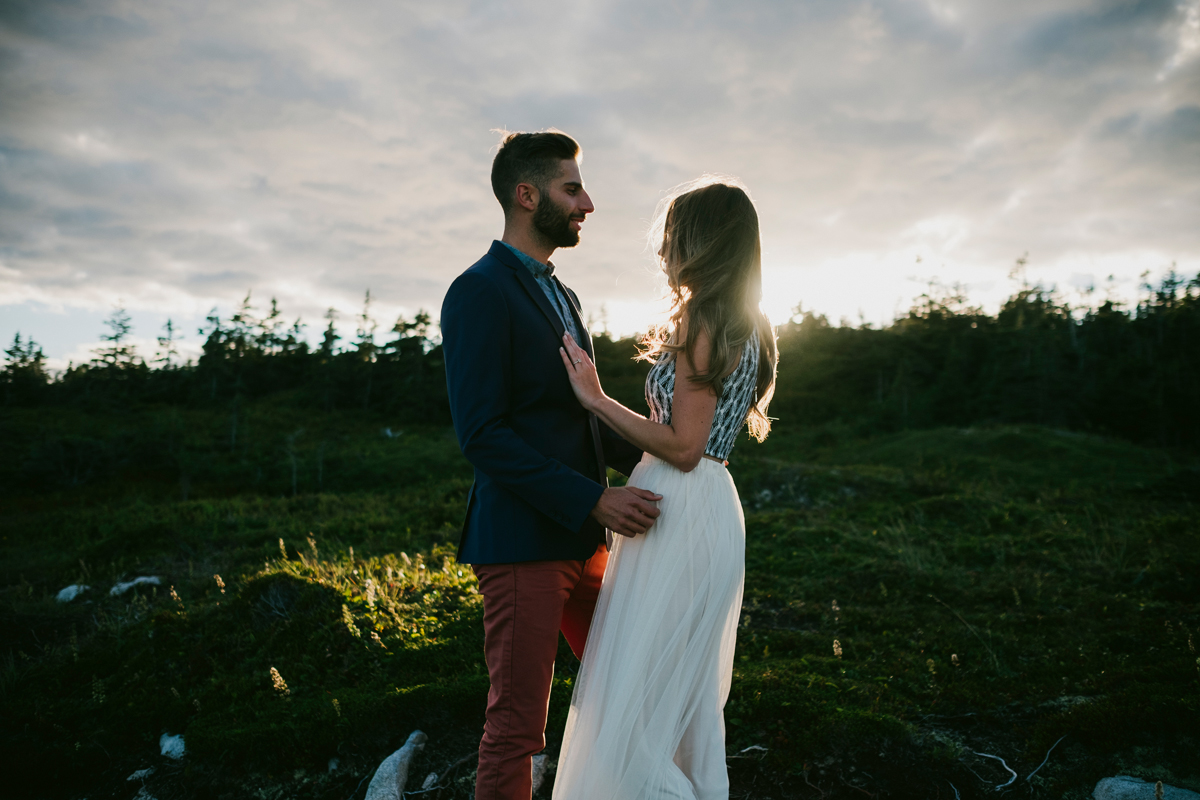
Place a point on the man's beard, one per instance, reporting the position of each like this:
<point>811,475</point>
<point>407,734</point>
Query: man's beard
<point>553,223</point>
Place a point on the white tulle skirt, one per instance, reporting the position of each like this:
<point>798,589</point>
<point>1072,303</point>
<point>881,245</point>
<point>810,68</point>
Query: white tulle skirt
<point>646,717</point>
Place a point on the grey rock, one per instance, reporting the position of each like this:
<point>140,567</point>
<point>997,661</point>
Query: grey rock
<point>540,763</point>
<point>142,580</point>
<point>1125,787</point>
<point>171,746</point>
<point>388,782</point>
<point>71,592</point>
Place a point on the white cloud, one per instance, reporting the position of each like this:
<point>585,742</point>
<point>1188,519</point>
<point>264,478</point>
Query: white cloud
<point>176,156</point>
<point>1187,38</point>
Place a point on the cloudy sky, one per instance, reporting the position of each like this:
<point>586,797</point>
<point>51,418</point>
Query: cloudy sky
<point>171,156</point>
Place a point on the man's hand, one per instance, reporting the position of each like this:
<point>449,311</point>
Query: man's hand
<point>626,510</point>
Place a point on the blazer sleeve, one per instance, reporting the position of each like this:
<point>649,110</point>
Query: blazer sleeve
<point>475,342</point>
<point>619,453</point>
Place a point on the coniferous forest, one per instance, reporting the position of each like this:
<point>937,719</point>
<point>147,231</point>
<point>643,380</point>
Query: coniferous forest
<point>1129,372</point>
<point>972,551</point>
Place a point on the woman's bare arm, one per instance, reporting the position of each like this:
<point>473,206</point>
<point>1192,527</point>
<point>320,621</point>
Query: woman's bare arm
<point>681,443</point>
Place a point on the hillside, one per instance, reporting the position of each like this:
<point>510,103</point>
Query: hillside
<point>912,599</point>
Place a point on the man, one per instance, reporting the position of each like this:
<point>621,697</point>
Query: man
<point>537,514</point>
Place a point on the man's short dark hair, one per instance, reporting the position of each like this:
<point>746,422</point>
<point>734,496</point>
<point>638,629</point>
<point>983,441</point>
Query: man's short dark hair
<point>529,158</point>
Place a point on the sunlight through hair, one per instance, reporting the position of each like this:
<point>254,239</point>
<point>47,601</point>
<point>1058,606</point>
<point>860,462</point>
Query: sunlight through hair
<point>705,238</point>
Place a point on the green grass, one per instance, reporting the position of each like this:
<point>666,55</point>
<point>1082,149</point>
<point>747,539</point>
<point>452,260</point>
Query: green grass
<point>989,590</point>
<point>995,590</point>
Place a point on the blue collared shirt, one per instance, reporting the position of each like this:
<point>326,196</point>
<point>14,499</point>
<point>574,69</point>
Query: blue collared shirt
<point>544,275</point>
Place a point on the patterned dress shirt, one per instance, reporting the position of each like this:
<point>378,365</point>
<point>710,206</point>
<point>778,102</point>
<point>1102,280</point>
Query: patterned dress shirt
<point>544,275</point>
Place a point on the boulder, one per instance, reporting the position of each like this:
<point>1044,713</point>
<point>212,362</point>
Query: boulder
<point>388,782</point>
<point>71,592</point>
<point>142,580</point>
<point>540,763</point>
<point>1125,787</point>
<point>171,746</point>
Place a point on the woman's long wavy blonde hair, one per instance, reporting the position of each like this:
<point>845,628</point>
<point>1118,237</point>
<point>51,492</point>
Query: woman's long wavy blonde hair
<point>706,236</point>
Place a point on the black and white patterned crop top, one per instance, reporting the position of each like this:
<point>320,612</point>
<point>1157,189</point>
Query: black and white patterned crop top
<point>733,406</point>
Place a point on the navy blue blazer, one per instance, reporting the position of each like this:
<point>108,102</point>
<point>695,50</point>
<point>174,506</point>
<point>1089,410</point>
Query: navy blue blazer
<point>539,457</point>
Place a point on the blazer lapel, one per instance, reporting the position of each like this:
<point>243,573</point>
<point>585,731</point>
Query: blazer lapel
<point>593,422</point>
<point>577,315</point>
<point>530,285</point>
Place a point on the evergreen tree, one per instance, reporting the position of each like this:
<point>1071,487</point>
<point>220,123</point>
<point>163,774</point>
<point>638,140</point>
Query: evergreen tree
<point>118,353</point>
<point>241,337</point>
<point>294,342</point>
<point>24,375</point>
<point>271,333</point>
<point>364,341</point>
<point>411,334</point>
<point>364,344</point>
<point>330,338</point>
<point>168,349</point>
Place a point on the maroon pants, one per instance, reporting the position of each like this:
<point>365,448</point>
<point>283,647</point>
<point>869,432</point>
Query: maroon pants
<point>525,605</point>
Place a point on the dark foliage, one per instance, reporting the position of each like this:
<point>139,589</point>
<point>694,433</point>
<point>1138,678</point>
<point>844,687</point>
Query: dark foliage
<point>247,357</point>
<point>1132,373</point>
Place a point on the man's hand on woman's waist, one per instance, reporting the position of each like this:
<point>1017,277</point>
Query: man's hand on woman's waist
<point>626,510</point>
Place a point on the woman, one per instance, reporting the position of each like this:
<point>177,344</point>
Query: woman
<point>646,717</point>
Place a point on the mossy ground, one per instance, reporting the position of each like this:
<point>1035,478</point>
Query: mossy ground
<point>911,601</point>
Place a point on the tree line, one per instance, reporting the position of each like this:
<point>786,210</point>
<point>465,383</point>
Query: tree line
<point>1129,371</point>
<point>1133,372</point>
<point>246,356</point>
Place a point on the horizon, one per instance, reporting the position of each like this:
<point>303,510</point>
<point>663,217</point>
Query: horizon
<point>189,349</point>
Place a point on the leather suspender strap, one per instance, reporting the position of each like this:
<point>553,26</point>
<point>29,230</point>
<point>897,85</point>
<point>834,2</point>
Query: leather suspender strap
<point>595,425</point>
<point>603,476</point>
